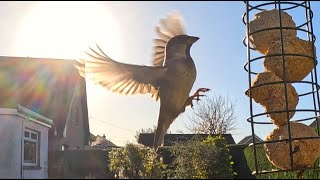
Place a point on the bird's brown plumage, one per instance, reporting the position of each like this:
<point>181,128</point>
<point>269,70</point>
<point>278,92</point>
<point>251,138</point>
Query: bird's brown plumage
<point>127,79</point>
<point>170,79</point>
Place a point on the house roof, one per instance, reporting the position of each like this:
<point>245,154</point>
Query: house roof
<point>26,114</point>
<point>169,139</point>
<point>248,139</point>
<point>34,115</point>
<point>42,85</point>
<point>102,143</point>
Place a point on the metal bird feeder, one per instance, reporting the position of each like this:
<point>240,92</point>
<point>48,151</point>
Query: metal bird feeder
<point>275,49</point>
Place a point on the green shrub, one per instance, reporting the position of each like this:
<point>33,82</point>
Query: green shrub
<point>264,164</point>
<point>207,159</point>
<point>136,162</point>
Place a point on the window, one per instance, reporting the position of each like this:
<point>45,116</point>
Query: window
<point>30,148</point>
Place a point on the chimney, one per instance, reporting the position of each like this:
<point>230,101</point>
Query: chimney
<point>104,136</point>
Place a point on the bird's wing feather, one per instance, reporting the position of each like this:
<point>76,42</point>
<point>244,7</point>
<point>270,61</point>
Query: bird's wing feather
<point>127,79</point>
<point>168,28</point>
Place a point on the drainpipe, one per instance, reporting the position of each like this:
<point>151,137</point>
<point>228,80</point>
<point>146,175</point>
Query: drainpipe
<point>22,150</point>
<point>69,112</point>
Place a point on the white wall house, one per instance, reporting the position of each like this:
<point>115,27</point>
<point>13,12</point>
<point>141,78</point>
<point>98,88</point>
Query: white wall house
<point>23,144</point>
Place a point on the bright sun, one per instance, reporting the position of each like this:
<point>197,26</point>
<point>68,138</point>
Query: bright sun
<point>66,29</point>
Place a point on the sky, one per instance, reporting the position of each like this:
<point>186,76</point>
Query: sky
<point>125,30</point>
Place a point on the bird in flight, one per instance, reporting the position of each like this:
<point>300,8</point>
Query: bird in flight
<point>169,80</point>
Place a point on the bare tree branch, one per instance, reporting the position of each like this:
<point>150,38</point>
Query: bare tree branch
<point>213,115</point>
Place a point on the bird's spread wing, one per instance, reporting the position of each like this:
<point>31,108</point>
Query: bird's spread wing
<point>168,28</point>
<point>119,77</point>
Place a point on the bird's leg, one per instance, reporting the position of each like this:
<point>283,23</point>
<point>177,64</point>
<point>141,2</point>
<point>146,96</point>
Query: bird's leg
<point>196,96</point>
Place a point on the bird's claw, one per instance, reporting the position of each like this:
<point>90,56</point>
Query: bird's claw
<point>196,96</point>
<point>203,90</point>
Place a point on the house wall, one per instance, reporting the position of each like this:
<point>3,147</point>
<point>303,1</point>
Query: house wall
<point>59,86</point>
<point>11,147</point>
<point>75,125</point>
<point>75,133</point>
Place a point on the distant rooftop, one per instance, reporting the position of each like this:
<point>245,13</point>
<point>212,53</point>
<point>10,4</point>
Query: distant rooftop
<point>102,143</point>
<point>248,140</point>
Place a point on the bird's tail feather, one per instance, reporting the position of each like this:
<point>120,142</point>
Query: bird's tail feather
<point>166,118</point>
<point>158,138</point>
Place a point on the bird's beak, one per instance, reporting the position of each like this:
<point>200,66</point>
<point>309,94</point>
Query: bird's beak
<point>193,39</point>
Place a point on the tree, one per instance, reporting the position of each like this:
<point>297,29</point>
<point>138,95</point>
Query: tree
<point>213,115</point>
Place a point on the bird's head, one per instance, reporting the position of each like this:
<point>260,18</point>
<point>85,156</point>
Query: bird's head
<point>180,45</point>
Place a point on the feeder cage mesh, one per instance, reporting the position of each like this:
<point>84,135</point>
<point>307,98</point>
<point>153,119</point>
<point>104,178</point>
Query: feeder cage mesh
<point>285,87</point>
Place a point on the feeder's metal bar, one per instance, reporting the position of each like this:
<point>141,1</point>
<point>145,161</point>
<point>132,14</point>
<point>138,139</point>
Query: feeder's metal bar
<point>313,54</point>
<point>285,83</point>
<point>250,93</point>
